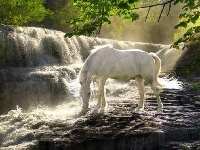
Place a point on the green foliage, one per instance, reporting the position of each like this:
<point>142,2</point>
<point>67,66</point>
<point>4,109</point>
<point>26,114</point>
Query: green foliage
<point>195,86</point>
<point>183,30</point>
<point>19,12</point>
<point>190,16</point>
<point>95,13</point>
<point>66,12</point>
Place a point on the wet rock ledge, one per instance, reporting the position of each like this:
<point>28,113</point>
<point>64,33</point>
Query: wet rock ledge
<point>178,127</point>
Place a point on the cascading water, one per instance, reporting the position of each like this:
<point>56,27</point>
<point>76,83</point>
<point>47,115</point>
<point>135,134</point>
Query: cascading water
<point>38,70</point>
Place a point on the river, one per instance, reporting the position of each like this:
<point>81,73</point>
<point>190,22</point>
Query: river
<point>38,76</point>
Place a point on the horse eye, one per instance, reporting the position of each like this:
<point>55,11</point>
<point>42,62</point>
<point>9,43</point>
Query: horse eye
<point>81,83</point>
<point>89,93</point>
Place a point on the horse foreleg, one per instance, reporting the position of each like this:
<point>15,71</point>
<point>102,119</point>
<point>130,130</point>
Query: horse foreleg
<point>103,100</point>
<point>156,92</point>
<point>101,96</point>
<point>140,85</point>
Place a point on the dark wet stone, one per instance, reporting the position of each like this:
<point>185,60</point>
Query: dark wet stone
<point>122,128</point>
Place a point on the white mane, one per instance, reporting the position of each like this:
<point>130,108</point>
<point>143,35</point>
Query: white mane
<point>100,47</point>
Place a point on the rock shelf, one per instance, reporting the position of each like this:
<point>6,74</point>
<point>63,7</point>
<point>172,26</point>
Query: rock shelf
<point>121,128</point>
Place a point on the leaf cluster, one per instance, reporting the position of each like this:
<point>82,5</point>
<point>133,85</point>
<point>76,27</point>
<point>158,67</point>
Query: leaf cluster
<point>190,15</point>
<point>19,12</point>
<point>95,13</point>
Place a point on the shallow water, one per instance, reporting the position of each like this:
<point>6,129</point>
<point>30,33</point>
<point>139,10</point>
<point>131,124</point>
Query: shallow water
<point>39,86</point>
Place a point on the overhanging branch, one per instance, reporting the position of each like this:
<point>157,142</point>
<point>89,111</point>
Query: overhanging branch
<point>147,14</point>
<point>154,5</point>
<point>160,4</point>
<point>161,12</point>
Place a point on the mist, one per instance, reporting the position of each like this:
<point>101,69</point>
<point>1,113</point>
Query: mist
<point>142,30</point>
<point>151,31</point>
<point>39,90</point>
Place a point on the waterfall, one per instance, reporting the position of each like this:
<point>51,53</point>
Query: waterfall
<point>37,65</point>
<point>38,69</point>
<point>30,46</point>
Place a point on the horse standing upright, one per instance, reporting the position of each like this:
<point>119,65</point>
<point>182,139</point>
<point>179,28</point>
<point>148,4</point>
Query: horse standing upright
<point>106,62</point>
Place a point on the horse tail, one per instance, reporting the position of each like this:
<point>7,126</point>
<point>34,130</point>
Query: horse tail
<point>157,69</point>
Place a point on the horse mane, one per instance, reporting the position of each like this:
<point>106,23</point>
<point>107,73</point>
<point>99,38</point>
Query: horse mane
<point>101,47</point>
<point>84,75</point>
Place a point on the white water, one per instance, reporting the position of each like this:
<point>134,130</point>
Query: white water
<point>39,67</point>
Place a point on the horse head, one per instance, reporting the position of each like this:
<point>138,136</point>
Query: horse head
<point>85,79</point>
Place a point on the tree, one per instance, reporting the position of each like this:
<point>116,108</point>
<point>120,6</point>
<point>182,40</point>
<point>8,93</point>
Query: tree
<point>66,12</point>
<point>19,12</point>
<point>189,19</point>
<point>95,13</point>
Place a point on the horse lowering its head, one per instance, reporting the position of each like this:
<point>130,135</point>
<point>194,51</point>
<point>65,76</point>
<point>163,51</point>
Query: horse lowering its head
<point>85,80</point>
<point>106,62</point>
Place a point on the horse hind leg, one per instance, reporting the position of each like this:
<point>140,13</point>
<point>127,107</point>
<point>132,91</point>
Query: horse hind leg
<point>140,85</point>
<point>156,92</point>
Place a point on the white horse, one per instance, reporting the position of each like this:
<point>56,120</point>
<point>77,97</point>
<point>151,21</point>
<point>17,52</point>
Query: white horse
<point>107,62</point>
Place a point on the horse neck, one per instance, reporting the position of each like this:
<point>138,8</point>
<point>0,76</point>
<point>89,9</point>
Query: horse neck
<point>85,67</point>
<point>85,72</point>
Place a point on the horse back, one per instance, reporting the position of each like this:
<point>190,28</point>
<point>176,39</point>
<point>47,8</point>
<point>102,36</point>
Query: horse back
<point>122,64</point>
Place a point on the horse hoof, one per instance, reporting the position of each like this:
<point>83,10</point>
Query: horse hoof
<point>137,110</point>
<point>104,106</point>
<point>84,111</point>
<point>159,110</point>
<point>98,107</point>
<point>101,111</point>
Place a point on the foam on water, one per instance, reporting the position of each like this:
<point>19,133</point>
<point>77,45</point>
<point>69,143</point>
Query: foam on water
<point>40,66</point>
<point>172,83</point>
<point>21,130</point>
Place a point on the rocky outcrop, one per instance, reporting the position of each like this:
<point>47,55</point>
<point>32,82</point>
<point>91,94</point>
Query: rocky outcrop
<point>120,128</point>
<point>188,64</point>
